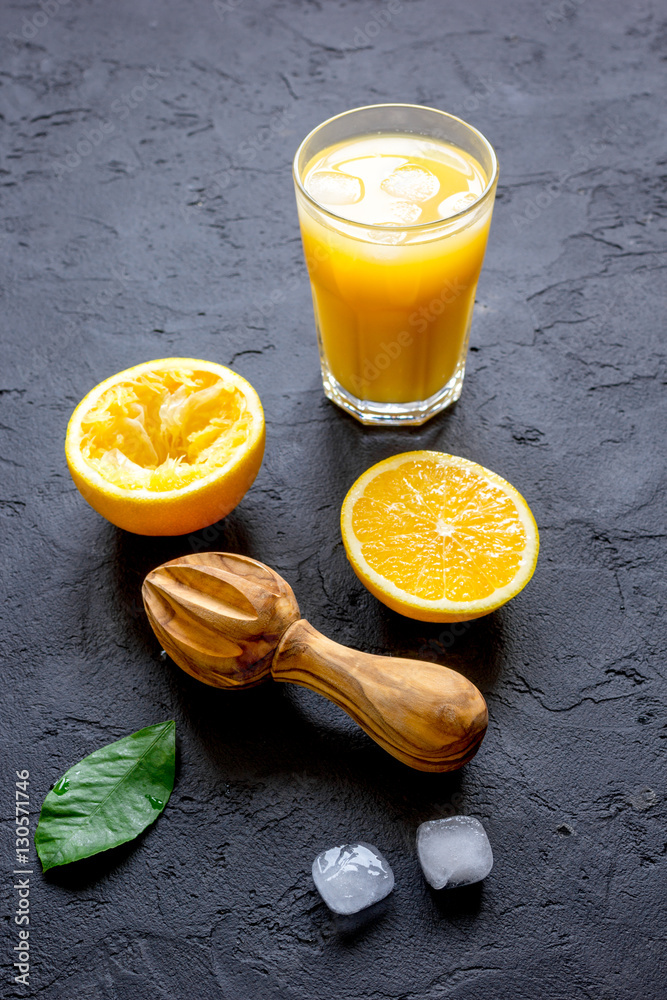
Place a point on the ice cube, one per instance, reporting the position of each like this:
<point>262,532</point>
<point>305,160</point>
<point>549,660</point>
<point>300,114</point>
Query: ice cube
<point>454,851</point>
<point>411,183</point>
<point>456,203</point>
<point>389,238</point>
<point>352,877</point>
<point>404,213</point>
<point>332,187</point>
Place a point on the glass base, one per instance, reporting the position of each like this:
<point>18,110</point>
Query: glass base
<point>394,414</point>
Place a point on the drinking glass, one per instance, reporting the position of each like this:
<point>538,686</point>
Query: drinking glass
<point>393,303</point>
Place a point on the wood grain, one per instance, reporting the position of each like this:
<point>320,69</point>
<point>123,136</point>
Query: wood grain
<point>219,616</point>
<point>428,716</point>
<point>231,621</point>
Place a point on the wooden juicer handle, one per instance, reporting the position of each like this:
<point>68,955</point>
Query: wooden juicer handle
<point>232,622</point>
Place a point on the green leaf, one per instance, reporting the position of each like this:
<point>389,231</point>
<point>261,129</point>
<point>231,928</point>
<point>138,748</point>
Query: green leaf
<point>108,798</point>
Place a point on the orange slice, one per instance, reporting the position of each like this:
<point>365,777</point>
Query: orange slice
<point>168,446</point>
<point>438,538</point>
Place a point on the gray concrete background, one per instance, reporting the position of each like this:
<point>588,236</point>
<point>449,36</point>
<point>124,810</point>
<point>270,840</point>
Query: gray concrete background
<point>147,210</point>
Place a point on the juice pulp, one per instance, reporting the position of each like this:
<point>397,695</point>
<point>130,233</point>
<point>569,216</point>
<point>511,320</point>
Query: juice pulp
<point>393,303</point>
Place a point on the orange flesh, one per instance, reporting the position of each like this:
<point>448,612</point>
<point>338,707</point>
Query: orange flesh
<point>439,532</point>
<point>164,430</point>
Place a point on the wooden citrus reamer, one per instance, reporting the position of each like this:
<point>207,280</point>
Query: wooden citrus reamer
<point>232,622</point>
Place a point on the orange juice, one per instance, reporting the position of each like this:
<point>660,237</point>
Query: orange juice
<point>394,259</point>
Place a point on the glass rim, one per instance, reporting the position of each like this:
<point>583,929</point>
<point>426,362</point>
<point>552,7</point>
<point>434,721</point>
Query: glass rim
<point>397,228</point>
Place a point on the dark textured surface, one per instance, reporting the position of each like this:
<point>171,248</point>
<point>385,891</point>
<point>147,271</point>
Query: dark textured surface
<point>176,233</point>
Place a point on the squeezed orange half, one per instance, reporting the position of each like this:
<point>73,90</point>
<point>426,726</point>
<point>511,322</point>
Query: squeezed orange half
<point>168,446</point>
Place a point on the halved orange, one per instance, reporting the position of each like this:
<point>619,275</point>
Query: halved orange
<point>168,446</point>
<point>438,538</point>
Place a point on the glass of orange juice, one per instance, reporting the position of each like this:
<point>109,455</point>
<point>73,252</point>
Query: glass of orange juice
<point>394,203</point>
